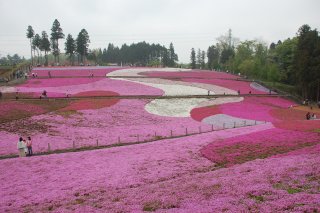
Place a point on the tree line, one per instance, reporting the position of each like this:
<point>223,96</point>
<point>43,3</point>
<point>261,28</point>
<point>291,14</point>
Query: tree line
<point>11,60</point>
<point>43,43</point>
<point>139,54</point>
<point>294,61</point>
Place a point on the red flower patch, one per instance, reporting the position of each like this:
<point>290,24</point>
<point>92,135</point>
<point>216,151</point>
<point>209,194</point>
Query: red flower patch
<point>95,93</point>
<point>199,114</point>
<point>85,104</point>
<point>288,114</point>
<point>258,145</point>
<point>301,125</point>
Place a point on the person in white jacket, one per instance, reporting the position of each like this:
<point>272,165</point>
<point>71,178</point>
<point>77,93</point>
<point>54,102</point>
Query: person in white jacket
<point>21,147</point>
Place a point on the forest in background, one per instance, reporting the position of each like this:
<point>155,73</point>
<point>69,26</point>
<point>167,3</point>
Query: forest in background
<point>292,65</point>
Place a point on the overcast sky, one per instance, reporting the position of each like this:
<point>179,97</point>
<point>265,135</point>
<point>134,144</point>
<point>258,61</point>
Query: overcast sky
<point>186,23</point>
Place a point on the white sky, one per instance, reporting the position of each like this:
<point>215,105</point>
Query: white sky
<point>186,23</point>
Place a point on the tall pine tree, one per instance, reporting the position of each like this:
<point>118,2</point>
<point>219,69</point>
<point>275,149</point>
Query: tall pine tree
<point>193,58</point>
<point>173,57</point>
<point>36,42</point>
<point>30,35</point>
<point>56,34</point>
<point>83,44</point>
<point>45,46</point>
<point>70,48</point>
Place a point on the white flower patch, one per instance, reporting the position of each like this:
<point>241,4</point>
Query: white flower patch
<point>173,107</point>
<point>174,89</point>
<point>176,107</point>
<point>207,87</point>
<point>219,101</point>
<point>6,89</point>
<point>227,121</point>
<point>136,71</point>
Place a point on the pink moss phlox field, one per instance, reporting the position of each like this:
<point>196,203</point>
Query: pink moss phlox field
<point>300,125</point>
<point>210,77</point>
<point>126,119</point>
<point>96,93</point>
<point>235,85</point>
<point>173,178</point>
<point>74,71</point>
<point>60,176</point>
<point>262,109</point>
<point>57,82</point>
<point>269,167</point>
<point>290,114</point>
<point>258,145</point>
<point>105,84</point>
<point>255,108</point>
<point>86,104</point>
<point>90,104</point>
<point>16,106</point>
<point>190,74</point>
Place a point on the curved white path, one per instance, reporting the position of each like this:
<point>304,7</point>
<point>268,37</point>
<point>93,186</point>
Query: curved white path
<point>176,107</point>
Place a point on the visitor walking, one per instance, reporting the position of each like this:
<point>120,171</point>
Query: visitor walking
<point>21,146</point>
<point>29,146</point>
<point>308,116</point>
<point>44,93</point>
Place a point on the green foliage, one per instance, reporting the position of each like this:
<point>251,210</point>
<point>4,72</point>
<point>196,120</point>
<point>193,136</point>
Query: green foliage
<point>36,43</point>
<point>307,62</point>
<point>173,57</point>
<point>56,30</point>
<point>295,61</point>
<point>247,67</point>
<point>45,46</point>
<point>30,32</point>
<point>70,47</point>
<point>30,35</point>
<point>226,55</point>
<point>138,54</point>
<point>193,58</point>
<point>10,61</point>
<point>83,44</point>
<point>213,57</point>
<point>282,87</point>
<point>56,34</point>
<point>152,206</point>
<point>273,74</point>
<point>257,198</point>
<point>198,59</point>
<point>203,60</point>
<point>165,57</point>
<point>293,190</point>
<point>283,55</point>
